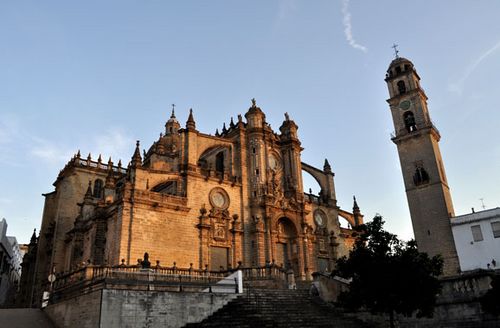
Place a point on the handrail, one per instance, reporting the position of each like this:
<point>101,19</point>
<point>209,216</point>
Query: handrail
<point>159,274</point>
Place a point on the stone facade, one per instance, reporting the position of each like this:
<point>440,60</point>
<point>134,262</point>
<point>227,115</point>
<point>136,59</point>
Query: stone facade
<point>417,139</point>
<point>211,201</point>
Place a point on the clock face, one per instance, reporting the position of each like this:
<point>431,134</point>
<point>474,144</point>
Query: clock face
<point>219,198</point>
<point>405,104</point>
<point>273,162</point>
<point>319,218</point>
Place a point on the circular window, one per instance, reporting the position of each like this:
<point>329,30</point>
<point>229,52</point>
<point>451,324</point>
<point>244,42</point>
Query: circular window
<point>319,217</point>
<point>274,162</point>
<point>219,198</point>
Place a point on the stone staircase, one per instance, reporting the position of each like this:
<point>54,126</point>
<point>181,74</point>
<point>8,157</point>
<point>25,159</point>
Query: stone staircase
<point>277,308</point>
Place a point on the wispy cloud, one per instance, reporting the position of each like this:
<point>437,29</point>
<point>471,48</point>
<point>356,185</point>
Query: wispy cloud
<point>50,152</point>
<point>458,86</point>
<point>346,20</point>
<point>9,128</point>
<point>114,143</point>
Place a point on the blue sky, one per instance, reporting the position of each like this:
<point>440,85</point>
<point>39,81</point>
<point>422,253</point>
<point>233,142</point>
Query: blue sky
<point>97,75</point>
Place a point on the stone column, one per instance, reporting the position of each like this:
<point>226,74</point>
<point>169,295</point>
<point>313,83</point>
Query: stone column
<point>268,240</point>
<point>204,227</point>
<point>259,241</point>
<point>237,235</point>
<point>333,251</point>
<point>300,254</point>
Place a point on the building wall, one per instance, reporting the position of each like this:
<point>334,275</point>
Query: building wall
<point>110,308</point>
<point>483,254</point>
<point>208,216</point>
<point>10,274</point>
<point>83,311</point>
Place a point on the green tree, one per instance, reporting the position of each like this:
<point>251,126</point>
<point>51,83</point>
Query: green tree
<point>388,275</point>
<point>490,302</point>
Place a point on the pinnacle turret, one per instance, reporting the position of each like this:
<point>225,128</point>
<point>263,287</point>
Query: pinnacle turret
<point>33,237</point>
<point>355,206</point>
<point>88,193</point>
<point>136,158</point>
<point>190,124</point>
<point>326,167</point>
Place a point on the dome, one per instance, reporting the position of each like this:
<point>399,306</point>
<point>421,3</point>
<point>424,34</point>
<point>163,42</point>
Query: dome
<point>172,125</point>
<point>399,61</point>
<point>172,118</point>
<point>399,66</point>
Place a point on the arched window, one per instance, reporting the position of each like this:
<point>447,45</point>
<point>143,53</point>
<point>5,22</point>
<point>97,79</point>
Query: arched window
<point>98,184</point>
<point>401,87</point>
<point>398,69</point>
<point>409,120</point>
<point>168,188</point>
<point>420,176</point>
<point>219,162</point>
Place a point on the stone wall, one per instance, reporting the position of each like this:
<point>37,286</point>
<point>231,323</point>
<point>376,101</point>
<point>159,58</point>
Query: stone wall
<point>82,311</point>
<point>125,308</point>
<point>112,308</point>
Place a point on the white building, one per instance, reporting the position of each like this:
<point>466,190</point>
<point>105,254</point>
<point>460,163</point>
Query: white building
<point>10,265</point>
<point>477,239</point>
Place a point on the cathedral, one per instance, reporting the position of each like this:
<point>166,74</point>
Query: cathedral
<point>212,202</point>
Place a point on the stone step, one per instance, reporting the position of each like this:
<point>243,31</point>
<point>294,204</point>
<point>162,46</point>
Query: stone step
<point>277,308</point>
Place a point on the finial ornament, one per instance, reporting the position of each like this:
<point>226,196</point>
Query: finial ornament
<point>173,111</point>
<point>396,51</point>
<point>287,117</point>
<point>254,102</point>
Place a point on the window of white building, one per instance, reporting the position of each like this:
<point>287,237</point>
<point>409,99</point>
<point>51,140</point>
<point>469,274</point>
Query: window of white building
<point>495,226</point>
<point>477,234</point>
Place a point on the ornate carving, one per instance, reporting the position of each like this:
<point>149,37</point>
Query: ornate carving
<point>219,199</point>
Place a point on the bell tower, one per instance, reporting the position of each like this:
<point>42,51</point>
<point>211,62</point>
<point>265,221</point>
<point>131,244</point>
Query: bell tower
<point>417,140</point>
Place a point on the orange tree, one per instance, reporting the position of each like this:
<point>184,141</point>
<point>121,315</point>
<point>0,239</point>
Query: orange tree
<point>388,275</point>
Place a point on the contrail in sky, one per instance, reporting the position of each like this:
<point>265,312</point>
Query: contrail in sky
<point>459,85</point>
<point>348,27</point>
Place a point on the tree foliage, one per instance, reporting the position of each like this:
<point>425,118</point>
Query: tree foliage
<point>388,275</point>
<point>490,302</point>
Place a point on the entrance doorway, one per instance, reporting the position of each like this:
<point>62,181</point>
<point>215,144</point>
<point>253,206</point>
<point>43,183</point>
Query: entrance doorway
<point>286,247</point>
<point>218,258</point>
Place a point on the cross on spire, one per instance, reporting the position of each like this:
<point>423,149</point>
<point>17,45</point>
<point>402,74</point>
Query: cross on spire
<point>396,51</point>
